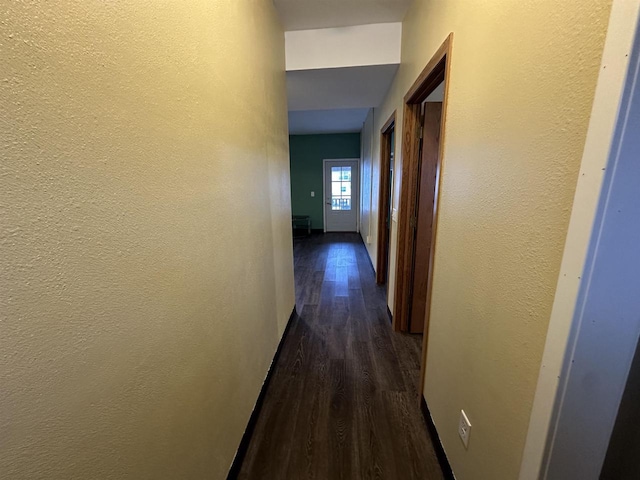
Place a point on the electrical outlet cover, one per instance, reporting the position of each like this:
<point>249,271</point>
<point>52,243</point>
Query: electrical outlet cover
<point>464,428</point>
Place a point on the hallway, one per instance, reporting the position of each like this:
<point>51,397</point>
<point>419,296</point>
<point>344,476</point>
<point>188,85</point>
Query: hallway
<point>342,402</point>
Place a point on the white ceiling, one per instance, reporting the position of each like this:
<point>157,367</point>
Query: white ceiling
<point>308,14</point>
<point>341,120</point>
<point>329,88</point>
<point>325,99</point>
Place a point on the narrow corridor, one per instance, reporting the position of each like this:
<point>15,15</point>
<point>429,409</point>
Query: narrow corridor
<point>342,402</point>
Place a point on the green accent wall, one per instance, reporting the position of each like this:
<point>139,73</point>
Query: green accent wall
<point>306,155</point>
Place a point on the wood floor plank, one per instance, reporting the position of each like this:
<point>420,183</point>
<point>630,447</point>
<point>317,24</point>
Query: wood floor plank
<point>341,445</point>
<point>373,458</point>
<point>342,402</point>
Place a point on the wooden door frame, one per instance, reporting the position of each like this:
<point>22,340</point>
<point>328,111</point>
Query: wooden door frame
<point>435,72</point>
<point>384,200</point>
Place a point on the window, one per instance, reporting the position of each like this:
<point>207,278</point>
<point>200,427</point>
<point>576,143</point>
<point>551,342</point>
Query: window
<point>340,188</point>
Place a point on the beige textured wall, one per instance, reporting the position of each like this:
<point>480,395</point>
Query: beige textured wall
<point>146,247</point>
<point>521,88</point>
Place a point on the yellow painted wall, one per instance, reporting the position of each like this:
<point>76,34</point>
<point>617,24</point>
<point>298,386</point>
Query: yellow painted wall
<point>368,183</point>
<point>521,87</point>
<point>146,246</point>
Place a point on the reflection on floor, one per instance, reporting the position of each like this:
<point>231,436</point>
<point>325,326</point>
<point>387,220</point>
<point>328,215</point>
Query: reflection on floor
<point>342,402</point>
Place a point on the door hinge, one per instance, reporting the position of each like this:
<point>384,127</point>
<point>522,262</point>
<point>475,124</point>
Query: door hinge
<point>413,222</point>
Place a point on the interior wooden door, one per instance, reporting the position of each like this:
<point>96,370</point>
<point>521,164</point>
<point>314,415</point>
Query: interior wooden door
<point>424,214</point>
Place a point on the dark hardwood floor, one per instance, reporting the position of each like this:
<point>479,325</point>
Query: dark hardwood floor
<point>343,401</point>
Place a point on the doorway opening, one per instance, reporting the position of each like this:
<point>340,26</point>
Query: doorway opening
<point>387,153</point>
<point>422,148</point>
<point>340,192</point>
<point>431,116</point>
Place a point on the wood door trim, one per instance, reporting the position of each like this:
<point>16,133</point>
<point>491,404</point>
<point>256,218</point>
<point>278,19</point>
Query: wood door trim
<point>384,200</point>
<point>437,70</point>
<point>389,123</point>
